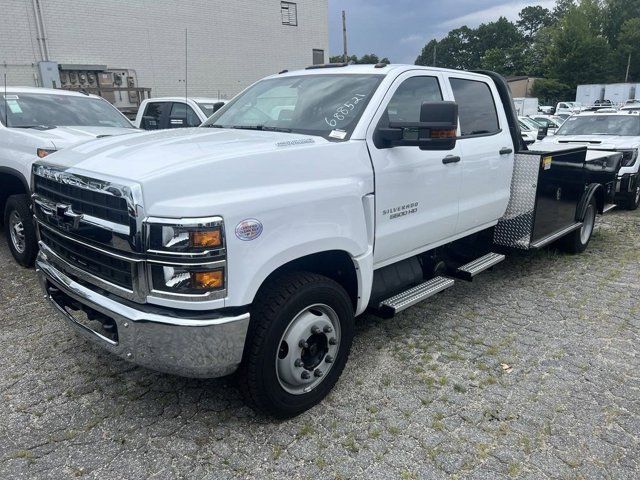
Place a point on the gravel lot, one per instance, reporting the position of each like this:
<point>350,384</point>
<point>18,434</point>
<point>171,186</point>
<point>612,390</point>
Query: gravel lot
<point>424,395</point>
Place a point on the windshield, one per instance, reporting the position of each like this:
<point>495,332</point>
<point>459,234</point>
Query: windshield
<point>209,108</point>
<point>547,122</point>
<point>532,124</point>
<point>25,110</point>
<point>323,105</point>
<point>624,125</point>
<point>524,127</point>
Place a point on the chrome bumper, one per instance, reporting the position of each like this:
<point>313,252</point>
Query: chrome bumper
<point>188,347</point>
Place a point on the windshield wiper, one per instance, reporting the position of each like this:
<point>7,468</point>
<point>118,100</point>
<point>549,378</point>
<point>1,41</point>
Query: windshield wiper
<point>264,128</point>
<point>213,125</point>
<point>36,127</point>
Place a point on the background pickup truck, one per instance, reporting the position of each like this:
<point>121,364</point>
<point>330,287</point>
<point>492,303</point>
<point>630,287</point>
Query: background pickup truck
<point>175,112</point>
<point>35,122</point>
<point>252,242</point>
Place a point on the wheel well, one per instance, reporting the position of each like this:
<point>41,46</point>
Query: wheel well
<point>335,264</point>
<point>599,196</point>
<point>10,184</point>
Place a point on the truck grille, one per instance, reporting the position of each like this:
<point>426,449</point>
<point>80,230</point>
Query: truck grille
<point>106,267</point>
<point>96,204</point>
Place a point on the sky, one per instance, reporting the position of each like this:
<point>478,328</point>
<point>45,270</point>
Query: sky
<point>398,29</point>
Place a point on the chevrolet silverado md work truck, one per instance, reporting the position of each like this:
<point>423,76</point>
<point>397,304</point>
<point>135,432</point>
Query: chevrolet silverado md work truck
<point>249,244</point>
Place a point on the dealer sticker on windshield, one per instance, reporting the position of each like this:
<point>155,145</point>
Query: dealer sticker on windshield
<point>339,134</point>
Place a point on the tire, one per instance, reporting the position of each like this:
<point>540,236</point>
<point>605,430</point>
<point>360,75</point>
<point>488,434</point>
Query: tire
<point>285,312</point>
<point>632,200</point>
<point>20,230</point>
<point>578,240</point>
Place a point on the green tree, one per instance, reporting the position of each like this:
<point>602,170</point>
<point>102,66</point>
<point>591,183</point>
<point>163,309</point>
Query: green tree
<point>550,91</point>
<point>562,8</point>
<point>369,58</point>
<point>628,43</point>
<point>532,19</point>
<point>456,50</point>
<point>616,13</point>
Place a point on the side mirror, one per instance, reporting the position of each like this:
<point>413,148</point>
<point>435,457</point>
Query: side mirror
<point>543,131</point>
<point>436,130</point>
<point>149,123</point>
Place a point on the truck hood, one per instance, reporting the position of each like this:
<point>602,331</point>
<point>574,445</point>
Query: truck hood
<point>65,137</point>
<point>600,142</point>
<point>168,152</point>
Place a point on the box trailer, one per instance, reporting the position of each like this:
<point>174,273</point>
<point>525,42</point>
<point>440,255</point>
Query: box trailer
<point>619,93</point>
<point>526,106</point>
<point>589,94</point>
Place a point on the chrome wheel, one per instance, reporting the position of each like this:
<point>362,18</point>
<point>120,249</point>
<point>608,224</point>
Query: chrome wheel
<point>587,224</point>
<point>308,349</point>
<point>16,230</point>
<point>637,198</point>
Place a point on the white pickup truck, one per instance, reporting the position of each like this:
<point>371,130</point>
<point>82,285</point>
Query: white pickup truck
<point>35,122</point>
<point>252,242</point>
<point>175,112</point>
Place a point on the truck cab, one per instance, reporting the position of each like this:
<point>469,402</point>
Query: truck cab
<point>34,123</point>
<point>175,112</point>
<point>251,243</point>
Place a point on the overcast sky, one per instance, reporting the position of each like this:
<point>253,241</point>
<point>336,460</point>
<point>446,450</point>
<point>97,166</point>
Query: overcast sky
<point>398,29</point>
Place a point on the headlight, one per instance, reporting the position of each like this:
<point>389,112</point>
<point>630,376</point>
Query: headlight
<point>195,237</point>
<point>629,157</point>
<point>186,279</point>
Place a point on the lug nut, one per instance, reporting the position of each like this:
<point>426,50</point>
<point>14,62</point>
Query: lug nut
<point>328,359</point>
<point>327,329</point>
<point>315,329</point>
<point>298,362</point>
<point>333,341</point>
<point>317,373</point>
<point>303,344</point>
<point>305,375</point>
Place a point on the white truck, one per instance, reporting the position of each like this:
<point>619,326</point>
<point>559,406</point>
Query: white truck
<point>607,130</point>
<point>175,112</point>
<point>251,243</point>
<point>35,122</point>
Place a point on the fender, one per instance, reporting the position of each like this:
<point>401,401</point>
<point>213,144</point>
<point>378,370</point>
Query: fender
<point>18,175</point>
<point>593,190</point>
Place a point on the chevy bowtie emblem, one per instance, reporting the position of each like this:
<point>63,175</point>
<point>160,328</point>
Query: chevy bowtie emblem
<point>66,215</point>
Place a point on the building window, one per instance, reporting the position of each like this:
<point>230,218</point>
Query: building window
<point>318,56</point>
<point>289,12</point>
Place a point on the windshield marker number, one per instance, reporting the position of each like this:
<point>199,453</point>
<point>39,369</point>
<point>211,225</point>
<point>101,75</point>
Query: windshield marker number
<point>344,110</point>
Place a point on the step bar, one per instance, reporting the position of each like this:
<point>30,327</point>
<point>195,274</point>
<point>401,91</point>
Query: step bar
<point>471,269</point>
<point>389,307</point>
<point>608,207</point>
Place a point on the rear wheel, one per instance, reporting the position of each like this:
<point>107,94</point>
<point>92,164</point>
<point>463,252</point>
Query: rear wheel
<point>632,200</point>
<point>299,340</point>
<point>578,240</point>
<point>20,231</point>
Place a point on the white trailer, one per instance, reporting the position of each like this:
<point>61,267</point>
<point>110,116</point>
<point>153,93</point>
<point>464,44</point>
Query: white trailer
<point>589,94</point>
<point>619,93</point>
<point>526,106</point>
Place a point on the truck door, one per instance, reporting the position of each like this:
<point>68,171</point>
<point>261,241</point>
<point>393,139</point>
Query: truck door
<point>416,192</point>
<point>486,149</point>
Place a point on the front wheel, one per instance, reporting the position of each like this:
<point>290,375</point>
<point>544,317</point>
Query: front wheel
<point>301,331</point>
<point>632,201</point>
<point>578,240</point>
<point>20,231</point>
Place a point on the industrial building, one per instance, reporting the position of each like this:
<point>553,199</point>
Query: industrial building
<point>126,50</point>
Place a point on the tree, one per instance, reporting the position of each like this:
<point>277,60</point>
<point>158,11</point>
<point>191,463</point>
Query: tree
<point>456,50</point>
<point>551,91</point>
<point>369,58</point>
<point>628,42</point>
<point>532,19</point>
<point>561,9</point>
<point>616,12</point>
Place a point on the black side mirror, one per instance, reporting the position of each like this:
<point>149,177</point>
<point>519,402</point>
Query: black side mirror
<point>436,130</point>
<point>149,123</point>
<point>543,131</point>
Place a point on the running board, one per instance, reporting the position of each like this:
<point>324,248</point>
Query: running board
<point>609,207</point>
<point>471,269</point>
<point>389,307</point>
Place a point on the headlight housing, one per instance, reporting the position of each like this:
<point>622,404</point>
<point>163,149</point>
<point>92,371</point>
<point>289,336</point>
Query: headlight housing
<point>187,257</point>
<point>629,157</point>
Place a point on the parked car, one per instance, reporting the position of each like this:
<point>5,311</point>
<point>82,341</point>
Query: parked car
<point>608,131</point>
<point>551,122</point>
<point>529,134</point>
<point>252,242</point>
<point>175,112</point>
<point>568,107</point>
<point>547,109</point>
<point>34,123</point>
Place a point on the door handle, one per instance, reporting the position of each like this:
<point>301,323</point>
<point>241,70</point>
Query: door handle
<point>506,151</point>
<point>450,159</point>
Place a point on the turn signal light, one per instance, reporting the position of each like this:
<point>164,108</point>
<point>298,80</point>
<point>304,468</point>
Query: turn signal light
<point>451,133</point>
<point>207,280</point>
<point>206,238</point>
<point>43,152</point>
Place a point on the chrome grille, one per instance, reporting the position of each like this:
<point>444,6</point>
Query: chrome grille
<point>107,267</point>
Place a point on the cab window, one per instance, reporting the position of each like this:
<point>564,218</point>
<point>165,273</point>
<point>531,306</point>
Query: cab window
<point>182,115</point>
<point>407,100</point>
<point>476,108</point>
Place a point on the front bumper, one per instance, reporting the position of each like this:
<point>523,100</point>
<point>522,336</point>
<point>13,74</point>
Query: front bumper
<point>190,347</point>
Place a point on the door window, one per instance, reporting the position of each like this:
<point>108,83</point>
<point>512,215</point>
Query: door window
<point>407,100</point>
<point>477,110</point>
<point>151,117</point>
<point>182,116</point>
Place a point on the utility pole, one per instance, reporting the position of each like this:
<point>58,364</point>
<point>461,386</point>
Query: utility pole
<point>345,56</point>
<point>626,77</point>
<point>435,48</point>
